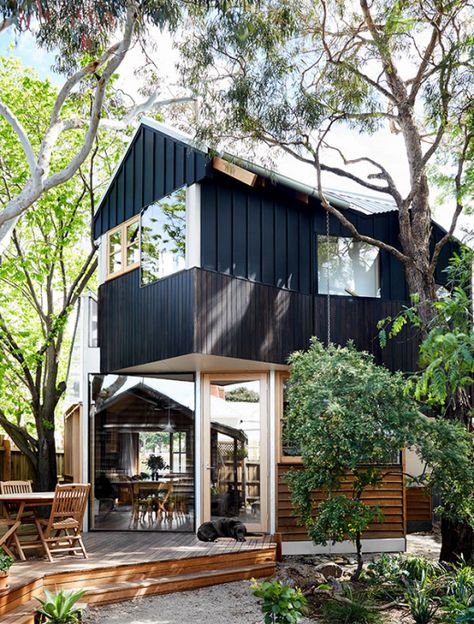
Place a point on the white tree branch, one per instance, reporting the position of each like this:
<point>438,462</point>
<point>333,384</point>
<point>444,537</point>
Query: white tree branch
<point>14,122</point>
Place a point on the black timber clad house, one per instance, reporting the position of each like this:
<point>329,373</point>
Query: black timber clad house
<point>258,248</point>
<point>246,293</point>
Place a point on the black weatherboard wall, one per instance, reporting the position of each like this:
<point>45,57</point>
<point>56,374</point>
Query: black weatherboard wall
<point>154,166</point>
<point>269,235</point>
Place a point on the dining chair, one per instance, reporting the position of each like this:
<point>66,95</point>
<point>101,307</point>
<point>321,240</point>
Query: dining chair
<point>27,520</point>
<point>11,526</point>
<point>61,532</point>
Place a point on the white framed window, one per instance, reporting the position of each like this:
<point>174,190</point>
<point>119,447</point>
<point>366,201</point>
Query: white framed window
<point>163,237</point>
<point>348,267</point>
<point>123,248</point>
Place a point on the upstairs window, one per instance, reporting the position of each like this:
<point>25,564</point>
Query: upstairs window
<point>163,245</point>
<point>353,267</point>
<point>123,248</point>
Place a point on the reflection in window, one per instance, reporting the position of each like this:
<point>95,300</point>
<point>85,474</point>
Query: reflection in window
<point>353,267</point>
<point>163,237</point>
<point>235,441</point>
<point>142,449</point>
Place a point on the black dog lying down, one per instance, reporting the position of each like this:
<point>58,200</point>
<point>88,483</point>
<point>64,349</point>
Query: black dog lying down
<point>224,527</point>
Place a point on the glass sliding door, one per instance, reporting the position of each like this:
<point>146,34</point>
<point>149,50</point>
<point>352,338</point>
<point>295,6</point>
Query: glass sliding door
<point>235,449</point>
<point>142,452</point>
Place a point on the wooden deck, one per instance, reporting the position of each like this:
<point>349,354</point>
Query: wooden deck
<point>123,566</point>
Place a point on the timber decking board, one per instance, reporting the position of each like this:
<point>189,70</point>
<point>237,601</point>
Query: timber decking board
<point>135,558</point>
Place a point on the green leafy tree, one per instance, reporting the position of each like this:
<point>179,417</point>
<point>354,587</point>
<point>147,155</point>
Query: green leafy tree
<point>48,264</point>
<point>351,418</point>
<point>83,34</point>
<point>444,385</point>
<point>296,74</point>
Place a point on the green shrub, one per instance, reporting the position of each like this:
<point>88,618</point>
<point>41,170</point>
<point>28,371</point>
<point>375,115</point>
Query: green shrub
<point>281,604</point>
<point>420,602</point>
<point>61,607</point>
<point>356,611</point>
<point>467,617</point>
<point>417,568</point>
<point>6,561</point>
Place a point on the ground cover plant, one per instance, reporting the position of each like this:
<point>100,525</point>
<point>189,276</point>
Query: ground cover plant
<point>280,603</point>
<point>407,588</point>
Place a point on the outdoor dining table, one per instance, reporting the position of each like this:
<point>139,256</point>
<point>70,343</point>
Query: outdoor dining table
<point>24,502</point>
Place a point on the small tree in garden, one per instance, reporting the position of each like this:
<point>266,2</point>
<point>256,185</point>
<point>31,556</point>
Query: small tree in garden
<point>351,418</point>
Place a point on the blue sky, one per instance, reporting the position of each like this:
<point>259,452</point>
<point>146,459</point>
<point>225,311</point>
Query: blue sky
<point>25,49</point>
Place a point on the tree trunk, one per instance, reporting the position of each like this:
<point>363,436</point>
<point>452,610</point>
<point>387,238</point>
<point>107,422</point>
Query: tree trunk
<point>47,473</point>
<point>360,562</point>
<point>420,282</point>
<point>457,540</point>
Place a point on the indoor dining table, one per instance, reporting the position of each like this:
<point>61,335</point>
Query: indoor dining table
<point>23,502</point>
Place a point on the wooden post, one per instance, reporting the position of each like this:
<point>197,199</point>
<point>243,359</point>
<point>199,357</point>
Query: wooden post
<point>7,460</point>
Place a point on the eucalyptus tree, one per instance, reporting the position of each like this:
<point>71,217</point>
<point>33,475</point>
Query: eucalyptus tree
<point>293,73</point>
<point>46,266</point>
<point>443,385</point>
<point>92,38</point>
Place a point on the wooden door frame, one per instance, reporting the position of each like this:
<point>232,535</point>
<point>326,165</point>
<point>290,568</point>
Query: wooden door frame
<point>264,443</point>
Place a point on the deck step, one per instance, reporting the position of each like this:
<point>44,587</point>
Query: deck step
<point>24,614</point>
<point>143,571</point>
<point>126,590</point>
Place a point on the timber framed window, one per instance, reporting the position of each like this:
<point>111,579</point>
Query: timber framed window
<point>287,449</point>
<point>123,248</point>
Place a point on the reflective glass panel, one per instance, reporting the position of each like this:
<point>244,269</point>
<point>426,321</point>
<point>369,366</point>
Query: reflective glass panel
<point>142,453</point>
<point>348,267</point>
<point>235,450</point>
<point>163,238</point>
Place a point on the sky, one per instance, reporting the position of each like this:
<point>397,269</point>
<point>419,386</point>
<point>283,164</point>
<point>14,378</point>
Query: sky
<point>383,146</point>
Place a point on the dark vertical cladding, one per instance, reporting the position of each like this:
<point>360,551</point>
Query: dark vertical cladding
<point>256,234</point>
<point>154,165</point>
<point>198,311</point>
<point>138,325</point>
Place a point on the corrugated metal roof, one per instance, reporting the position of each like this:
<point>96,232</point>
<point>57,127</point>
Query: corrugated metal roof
<point>367,204</point>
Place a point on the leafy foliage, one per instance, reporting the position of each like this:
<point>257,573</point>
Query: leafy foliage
<point>351,418</point>
<point>340,517</point>
<point>61,607</point>
<point>422,608</point>
<point>6,561</point>
<point>281,604</point>
<point>355,610</point>
<point>46,267</point>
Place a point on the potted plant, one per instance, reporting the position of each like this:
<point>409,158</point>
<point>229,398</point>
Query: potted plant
<point>61,607</point>
<point>6,563</point>
<point>155,463</point>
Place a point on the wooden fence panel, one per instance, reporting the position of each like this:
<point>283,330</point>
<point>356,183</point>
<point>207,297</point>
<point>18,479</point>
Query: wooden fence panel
<point>389,497</point>
<point>16,467</point>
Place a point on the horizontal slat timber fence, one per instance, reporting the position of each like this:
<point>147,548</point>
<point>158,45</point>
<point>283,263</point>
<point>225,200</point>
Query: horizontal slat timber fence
<point>389,497</point>
<point>14,466</point>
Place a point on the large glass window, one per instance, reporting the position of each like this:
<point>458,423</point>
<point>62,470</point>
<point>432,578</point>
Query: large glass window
<point>348,267</point>
<point>142,453</point>
<point>163,227</point>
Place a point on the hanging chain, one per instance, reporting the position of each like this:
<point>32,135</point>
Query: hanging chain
<point>328,300</point>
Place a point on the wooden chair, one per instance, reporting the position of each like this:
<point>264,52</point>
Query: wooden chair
<point>12,526</point>
<point>28,518</point>
<point>62,531</point>
<point>15,487</point>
